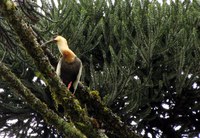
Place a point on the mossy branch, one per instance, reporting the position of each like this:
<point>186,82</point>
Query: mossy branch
<point>102,113</point>
<point>58,90</point>
<point>67,128</point>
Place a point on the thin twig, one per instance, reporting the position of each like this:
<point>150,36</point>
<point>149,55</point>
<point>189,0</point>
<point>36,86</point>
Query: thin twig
<point>3,56</point>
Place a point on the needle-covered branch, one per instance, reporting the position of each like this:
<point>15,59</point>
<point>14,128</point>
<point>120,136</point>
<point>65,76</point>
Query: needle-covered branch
<point>67,128</point>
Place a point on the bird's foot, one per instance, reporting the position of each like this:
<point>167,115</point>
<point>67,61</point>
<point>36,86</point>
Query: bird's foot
<point>69,85</point>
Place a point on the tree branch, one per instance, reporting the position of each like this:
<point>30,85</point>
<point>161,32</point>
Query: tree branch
<point>68,129</point>
<point>99,111</point>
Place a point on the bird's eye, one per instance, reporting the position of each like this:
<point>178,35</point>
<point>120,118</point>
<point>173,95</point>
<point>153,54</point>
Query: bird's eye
<point>55,36</point>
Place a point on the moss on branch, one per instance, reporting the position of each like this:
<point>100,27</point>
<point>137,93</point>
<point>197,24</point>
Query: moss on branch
<point>98,109</point>
<point>67,128</point>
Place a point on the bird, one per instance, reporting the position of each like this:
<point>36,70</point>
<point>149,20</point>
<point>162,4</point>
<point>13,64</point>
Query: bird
<point>69,67</point>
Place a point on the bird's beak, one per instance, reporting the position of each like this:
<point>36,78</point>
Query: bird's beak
<point>50,41</point>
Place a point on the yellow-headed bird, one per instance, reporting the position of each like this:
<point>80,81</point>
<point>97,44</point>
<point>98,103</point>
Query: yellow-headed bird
<point>69,67</point>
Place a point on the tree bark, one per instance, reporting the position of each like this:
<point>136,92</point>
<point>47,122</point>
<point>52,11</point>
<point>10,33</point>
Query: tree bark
<point>67,128</point>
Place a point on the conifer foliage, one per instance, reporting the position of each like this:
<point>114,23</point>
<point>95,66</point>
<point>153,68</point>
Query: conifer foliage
<point>141,55</point>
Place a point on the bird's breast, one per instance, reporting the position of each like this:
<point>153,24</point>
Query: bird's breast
<point>68,71</point>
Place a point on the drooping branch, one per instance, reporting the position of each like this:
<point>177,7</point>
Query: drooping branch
<point>67,128</point>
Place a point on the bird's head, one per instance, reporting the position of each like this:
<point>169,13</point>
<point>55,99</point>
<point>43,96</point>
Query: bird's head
<point>62,46</point>
<point>59,40</point>
<point>61,43</point>
<point>64,49</point>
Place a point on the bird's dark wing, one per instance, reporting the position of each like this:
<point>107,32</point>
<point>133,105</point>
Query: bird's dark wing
<point>69,71</point>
